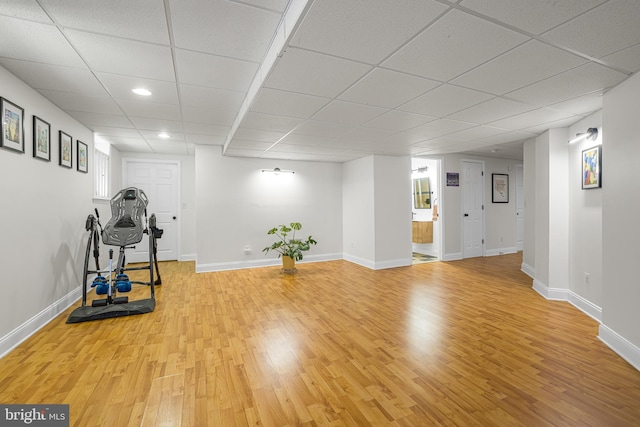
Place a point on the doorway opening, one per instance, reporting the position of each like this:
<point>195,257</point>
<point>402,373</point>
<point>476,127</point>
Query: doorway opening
<point>426,229</point>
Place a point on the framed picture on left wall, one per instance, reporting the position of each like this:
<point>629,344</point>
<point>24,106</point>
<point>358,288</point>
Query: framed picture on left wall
<point>12,126</point>
<point>66,149</point>
<point>82,160</point>
<point>41,139</point>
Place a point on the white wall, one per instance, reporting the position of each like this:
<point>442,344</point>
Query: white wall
<point>236,204</point>
<point>358,202</point>
<point>620,225</point>
<point>44,209</point>
<point>530,172</point>
<point>585,219</point>
<point>392,204</point>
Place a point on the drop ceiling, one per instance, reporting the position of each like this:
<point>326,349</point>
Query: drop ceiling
<point>323,80</point>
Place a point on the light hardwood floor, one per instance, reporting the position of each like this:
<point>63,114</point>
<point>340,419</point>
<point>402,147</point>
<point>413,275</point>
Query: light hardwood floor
<point>457,343</point>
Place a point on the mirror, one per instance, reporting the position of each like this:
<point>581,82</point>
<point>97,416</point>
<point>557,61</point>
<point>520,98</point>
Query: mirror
<point>421,193</point>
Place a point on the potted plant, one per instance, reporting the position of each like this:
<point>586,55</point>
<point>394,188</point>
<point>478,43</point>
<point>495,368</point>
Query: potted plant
<point>290,249</point>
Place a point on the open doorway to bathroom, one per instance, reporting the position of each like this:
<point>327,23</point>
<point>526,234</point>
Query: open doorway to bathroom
<point>426,229</point>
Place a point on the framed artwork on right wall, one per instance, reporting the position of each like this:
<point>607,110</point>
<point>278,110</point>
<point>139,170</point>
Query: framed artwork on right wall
<point>592,167</point>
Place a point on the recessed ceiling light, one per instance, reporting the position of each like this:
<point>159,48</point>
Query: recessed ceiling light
<point>141,91</point>
<point>163,135</point>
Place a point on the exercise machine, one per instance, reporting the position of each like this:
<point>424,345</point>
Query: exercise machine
<point>127,227</point>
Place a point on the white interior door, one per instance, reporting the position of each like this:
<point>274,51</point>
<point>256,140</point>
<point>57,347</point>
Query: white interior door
<point>160,182</point>
<point>519,207</point>
<point>472,209</point>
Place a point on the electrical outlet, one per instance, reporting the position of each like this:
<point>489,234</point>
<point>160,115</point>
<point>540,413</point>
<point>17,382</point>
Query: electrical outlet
<point>587,279</point>
<point>247,250</point>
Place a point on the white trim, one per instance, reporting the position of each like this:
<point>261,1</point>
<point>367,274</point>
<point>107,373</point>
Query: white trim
<point>393,263</point>
<point>37,322</point>
<point>579,302</point>
<point>528,270</point>
<point>188,257</point>
<point>500,251</point>
<point>360,261</point>
<point>620,345</point>
<point>268,262</point>
<point>456,256</point>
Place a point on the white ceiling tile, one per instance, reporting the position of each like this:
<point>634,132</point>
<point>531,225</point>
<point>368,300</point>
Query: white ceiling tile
<point>120,56</point>
<point>25,9</point>
<point>203,69</point>
<point>251,145</point>
<point>472,39</point>
<point>55,77</point>
<point>542,127</point>
<point>627,59</point>
<point>138,145</point>
<point>258,135</point>
<point>281,103</point>
<point>367,133</point>
<point>208,116</point>
<point>583,80</point>
<point>77,102</point>
<point>434,129</point>
<point>366,31</point>
<point>112,131</point>
<point>150,110</point>
<point>492,110</point>
<point>581,105</point>
<point>509,137</point>
<point>140,20</point>
<point>314,73</point>
<point>438,143</point>
<point>295,139</point>
<point>205,139</point>
<point>532,118</point>
<point>526,64</point>
<point>46,43</point>
<point>223,28</point>
<point>107,120</point>
<point>608,28</point>
<point>255,120</point>
<point>477,132</point>
<point>273,5</point>
<point>241,152</point>
<point>324,129</point>
<point>168,147</point>
<point>121,86</point>
<point>205,129</point>
<point>144,123</point>
<point>444,100</point>
<point>208,97</point>
<point>534,16</point>
<point>386,88</point>
<point>348,112</point>
<point>398,120</point>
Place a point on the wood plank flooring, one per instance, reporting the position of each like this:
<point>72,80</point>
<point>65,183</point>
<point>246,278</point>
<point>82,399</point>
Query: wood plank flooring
<point>456,344</point>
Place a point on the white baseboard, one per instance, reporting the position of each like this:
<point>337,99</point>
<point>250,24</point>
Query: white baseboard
<point>528,270</point>
<point>452,256</point>
<point>255,263</point>
<point>360,261</point>
<point>620,345</point>
<point>393,264</point>
<point>500,251</point>
<point>33,325</point>
<point>559,294</point>
<point>188,257</point>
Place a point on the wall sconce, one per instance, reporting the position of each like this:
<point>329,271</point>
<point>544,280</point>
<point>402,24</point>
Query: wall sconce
<point>591,134</point>
<point>277,171</point>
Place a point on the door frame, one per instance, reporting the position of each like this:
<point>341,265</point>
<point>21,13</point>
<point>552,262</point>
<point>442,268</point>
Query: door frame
<point>519,197</point>
<point>462,227</point>
<point>178,164</point>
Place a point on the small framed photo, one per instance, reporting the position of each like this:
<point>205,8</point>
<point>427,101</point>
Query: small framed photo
<point>41,139</point>
<point>66,149</point>
<point>83,160</point>
<point>499,188</point>
<point>12,126</point>
<point>592,168</point>
<point>453,179</point>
